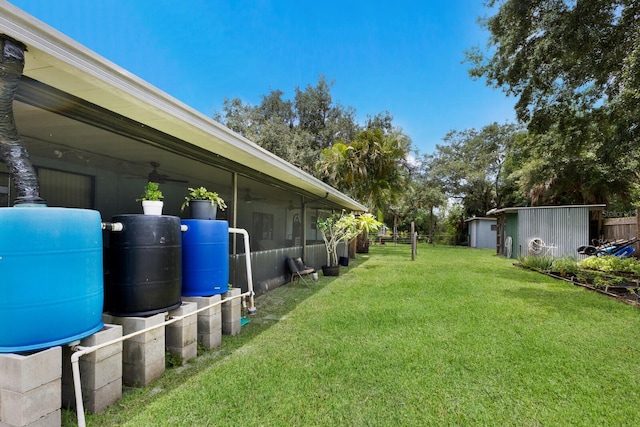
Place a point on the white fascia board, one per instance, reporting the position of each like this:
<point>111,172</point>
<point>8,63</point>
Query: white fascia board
<point>59,61</point>
<point>494,212</point>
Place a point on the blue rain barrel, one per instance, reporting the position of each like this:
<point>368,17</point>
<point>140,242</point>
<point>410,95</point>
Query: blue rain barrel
<point>144,262</point>
<point>205,257</point>
<point>51,276</point>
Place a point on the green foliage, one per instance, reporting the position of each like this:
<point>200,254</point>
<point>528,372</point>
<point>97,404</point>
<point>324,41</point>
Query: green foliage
<point>372,168</point>
<point>201,193</point>
<point>295,130</point>
<point>540,263</point>
<point>611,263</point>
<point>172,360</point>
<point>565,266</point>
<point>573,68</point>
<point>151,192</point>
<point>342,227</point>
<point>469,167</point>
<point>601,281</point>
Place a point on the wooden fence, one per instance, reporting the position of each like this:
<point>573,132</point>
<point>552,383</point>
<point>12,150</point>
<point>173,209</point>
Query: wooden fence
<point>623,228</point>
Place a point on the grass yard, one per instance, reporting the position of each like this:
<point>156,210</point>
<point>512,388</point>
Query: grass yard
<point>457,337</point>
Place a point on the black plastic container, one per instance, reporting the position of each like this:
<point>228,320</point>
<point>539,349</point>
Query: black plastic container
<point>144,266</point>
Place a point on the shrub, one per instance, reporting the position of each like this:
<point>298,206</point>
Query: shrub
<point>565,266</point>
<point>541,263</point>
<point>611,263</point>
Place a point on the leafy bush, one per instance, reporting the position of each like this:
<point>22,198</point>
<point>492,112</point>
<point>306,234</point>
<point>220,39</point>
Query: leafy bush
<point>565,266</point>
<point>611,263</point>
<point>542,263</point>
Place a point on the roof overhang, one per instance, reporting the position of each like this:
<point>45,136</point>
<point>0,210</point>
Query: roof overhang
<point>498,212</point>
<point>479,218</point>
<point>63,64</point>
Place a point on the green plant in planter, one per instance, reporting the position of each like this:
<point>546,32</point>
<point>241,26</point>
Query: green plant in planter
<point>151,192</point>
<point>201,193</point>
<point>343,227</point>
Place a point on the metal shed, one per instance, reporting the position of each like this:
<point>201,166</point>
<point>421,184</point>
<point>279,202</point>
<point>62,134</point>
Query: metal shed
<point>482,232</point>
<point>546,230</point>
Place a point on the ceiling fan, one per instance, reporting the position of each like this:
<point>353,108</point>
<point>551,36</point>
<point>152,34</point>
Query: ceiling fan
<point>155,176</point>
<point>248,198</point>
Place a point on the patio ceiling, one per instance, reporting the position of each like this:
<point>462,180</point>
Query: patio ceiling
<point>76,104</point>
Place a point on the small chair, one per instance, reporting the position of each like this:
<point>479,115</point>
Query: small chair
<point>297,268</point>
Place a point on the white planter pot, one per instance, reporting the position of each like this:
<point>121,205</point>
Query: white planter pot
<point>152,207</point>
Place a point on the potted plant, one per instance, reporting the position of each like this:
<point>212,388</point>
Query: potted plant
<point>203,203</point>
<point>152,199</point>
<point>342,227</point>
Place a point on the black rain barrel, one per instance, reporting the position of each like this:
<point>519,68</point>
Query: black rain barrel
<point>51,276</point>
<point>205,257</point>
<point>144,266</point>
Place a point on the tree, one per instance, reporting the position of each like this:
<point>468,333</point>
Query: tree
<point>298,130</point>
<point>469,167</point>
<point>574,68</point>
<point>372,168</point>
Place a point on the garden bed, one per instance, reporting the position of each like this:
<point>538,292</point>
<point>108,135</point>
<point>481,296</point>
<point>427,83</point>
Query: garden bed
<point>622,285</point>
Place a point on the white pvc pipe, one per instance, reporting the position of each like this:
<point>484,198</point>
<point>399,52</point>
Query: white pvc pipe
<point>80,351</point>
<point>247,252</point>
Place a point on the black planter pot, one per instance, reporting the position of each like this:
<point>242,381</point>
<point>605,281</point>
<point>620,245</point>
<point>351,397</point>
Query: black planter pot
<point>331,270</point>
<point>202,209</point>
<point>343,261</point>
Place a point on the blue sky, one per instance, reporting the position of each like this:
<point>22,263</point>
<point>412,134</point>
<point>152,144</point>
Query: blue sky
<point>404,57</point>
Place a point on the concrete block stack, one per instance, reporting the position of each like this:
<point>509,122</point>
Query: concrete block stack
<point>31,388</point>
<point>209,321</point>
<point>143,356</point>
<point>182,336</point>
<point>100,372</point>
<point>231,312</point>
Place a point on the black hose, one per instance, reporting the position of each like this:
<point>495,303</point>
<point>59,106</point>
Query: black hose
<point>12,149</point>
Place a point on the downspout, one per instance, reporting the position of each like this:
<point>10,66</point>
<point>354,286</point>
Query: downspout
<point>12,149</point>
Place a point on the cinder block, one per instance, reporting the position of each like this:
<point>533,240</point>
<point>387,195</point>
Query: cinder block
<point>31,388</point>
<point>231,328</point>
<point>137,353</point>
<point>22,409</point>
<point>100,371</point>
<point>211,340</point>
<point>231,312</point>
<point>103,397</point>
<point>185,353</point>
<point>52,419</point>
<point>108,333</point>
<point>143,356</point>
<point>21,373</point>
<point>136,375</point>
<point>181,336</point>
<point>209,321</point>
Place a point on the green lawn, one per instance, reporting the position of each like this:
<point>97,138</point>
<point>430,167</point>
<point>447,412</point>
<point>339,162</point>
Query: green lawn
<point>457,337</point>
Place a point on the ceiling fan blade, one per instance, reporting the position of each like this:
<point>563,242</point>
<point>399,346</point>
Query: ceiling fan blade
<point>160,178</point>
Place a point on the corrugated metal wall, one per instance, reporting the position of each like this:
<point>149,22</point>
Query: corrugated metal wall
<point>561,229</point>
<point>511,230</point>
